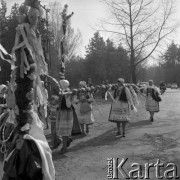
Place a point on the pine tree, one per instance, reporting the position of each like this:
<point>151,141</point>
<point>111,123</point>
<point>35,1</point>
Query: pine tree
<point>170,58</point>
<point>95,57</point>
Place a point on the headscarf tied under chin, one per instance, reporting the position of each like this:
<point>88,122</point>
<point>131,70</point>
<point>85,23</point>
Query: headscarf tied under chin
<point>64,84</point>
<point>121,80</point>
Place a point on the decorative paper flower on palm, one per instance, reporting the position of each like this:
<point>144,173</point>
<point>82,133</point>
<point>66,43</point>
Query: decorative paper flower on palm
<point>29,95</point>
<point>10,100</point>
<point>13,79</point>
<point>32,72</point>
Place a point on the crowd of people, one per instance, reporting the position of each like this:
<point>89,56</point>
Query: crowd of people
<point>68,108</point>
<point>26,109</point>
<point>69,111</point>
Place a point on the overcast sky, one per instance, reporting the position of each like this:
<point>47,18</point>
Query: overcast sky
<point>87,14</point>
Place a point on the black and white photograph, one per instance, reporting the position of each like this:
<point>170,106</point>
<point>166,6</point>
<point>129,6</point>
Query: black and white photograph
<point>89,89</point>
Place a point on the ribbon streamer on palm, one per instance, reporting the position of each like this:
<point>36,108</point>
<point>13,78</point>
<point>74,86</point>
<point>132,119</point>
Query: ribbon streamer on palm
<point>3,51</point>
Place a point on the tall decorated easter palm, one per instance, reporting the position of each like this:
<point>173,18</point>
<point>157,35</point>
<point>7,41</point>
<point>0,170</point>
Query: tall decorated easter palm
<point>26,87</point>
<point>30,62</point>
<point>62,55</point>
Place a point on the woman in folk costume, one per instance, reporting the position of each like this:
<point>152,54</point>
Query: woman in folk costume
<point>76,130</point>
<point>86,116</point>
<point>121,105</point>
<point>152,99</point>
<point>30,64</point>
<point>64,122</point>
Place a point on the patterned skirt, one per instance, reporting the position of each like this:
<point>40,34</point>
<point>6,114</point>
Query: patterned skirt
<point>119,112</point>
<point>64,123</point>
<point>76,130</point>
<point>151,104</point>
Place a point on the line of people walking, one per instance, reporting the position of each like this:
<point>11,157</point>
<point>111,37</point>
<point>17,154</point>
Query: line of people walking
<point>71,112</point>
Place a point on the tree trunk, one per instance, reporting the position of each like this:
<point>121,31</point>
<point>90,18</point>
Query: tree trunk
<point>132,58</point>
<point>132,66</point>
<point>175,80</point>
<point>133,72</point>
<point>134,80</point>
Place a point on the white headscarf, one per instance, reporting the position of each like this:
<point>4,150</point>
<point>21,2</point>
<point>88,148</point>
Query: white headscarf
<point>64,84</point>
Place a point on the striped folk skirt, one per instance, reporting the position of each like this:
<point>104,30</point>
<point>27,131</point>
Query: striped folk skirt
<point>64,123</point>
<point>76,130</point>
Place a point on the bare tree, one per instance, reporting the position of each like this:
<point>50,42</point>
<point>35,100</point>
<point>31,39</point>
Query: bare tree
<point>141,25</point>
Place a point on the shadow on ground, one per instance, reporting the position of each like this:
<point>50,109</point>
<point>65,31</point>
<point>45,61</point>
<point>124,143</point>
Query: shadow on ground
<point>140,123</point>
<point>107,138</point>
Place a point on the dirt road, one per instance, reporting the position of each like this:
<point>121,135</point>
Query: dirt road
<point>145,142</point>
